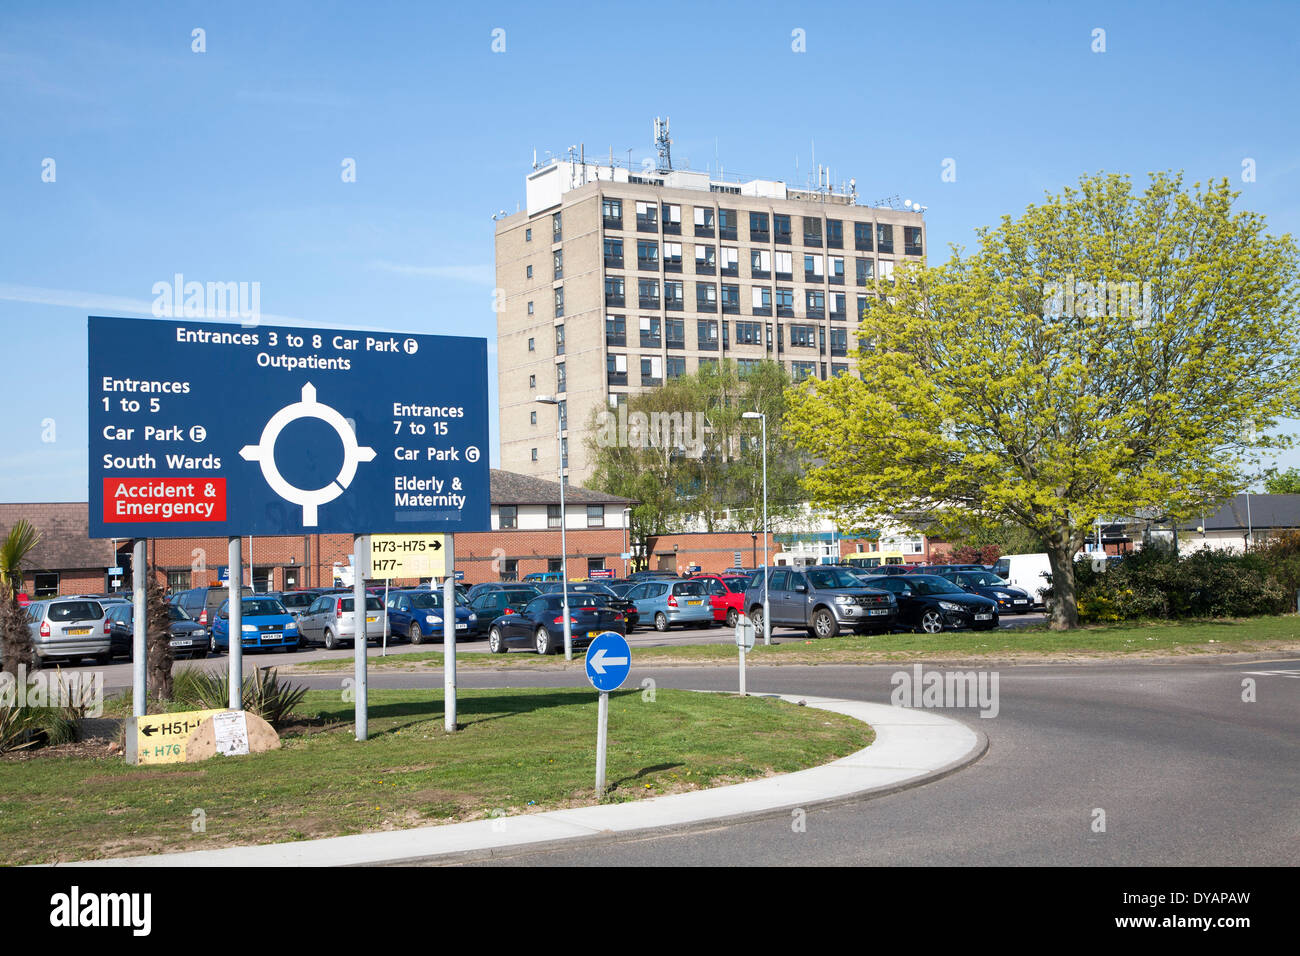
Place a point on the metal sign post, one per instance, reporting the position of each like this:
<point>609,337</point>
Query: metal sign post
<point>235,619</point>
<point>139,632</point>
<point>359,632</point>
<point>449,637</point>
<point>609,659</point>
<point>744,643</point>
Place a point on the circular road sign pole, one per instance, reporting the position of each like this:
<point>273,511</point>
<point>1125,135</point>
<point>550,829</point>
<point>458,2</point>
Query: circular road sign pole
<point>609,659</point>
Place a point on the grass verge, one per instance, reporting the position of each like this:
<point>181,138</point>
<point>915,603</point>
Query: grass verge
<point>519,750</point>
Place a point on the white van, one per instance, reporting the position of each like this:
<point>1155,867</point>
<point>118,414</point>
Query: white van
<point>1029,572</point>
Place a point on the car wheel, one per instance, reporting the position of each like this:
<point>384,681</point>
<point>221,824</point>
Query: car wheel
<point>931,622</point>
<point>542,640</point>
<point>824,623</point>
<point>415,635</point>
<point>661,621</point>
<point>732,617</point>
<point>496,643</point>
<point>331,642</point>
<point>756,617</point>
<point>212,644</point>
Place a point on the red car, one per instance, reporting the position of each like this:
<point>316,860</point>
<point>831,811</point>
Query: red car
<point>726,594</point>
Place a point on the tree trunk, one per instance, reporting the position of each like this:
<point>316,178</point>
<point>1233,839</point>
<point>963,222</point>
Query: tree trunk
<point>1065,598</point>
<point>16,645</point>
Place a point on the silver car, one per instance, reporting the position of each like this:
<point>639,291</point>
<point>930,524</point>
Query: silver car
<point>672,601</point>
<point>330,620</point>
<point>69,628</point>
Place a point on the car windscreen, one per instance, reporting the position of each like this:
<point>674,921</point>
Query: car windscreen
<point>689,588</point>
<point>261,607</point>
<point>822,578</point>
<point>735,584</point>
<point>427,601</point>
<point>177,614</point>
<point>933,584</point>
<point>75,611</point>
<point>297,600</point>
<point>980,579</point>
<point>578,600</point>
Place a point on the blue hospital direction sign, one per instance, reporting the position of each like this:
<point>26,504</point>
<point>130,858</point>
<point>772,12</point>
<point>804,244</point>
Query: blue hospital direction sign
<point>205,428</point>
<point>609,659</point>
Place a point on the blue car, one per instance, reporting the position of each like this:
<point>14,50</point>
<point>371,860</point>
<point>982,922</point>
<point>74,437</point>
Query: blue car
<point>417,615</point>
<point>266,623</point>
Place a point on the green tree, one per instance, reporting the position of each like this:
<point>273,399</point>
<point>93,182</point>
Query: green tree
<point>686,454</point>
<point>15,639</point>
<point>1283,483</point>
<point>1106,351</point>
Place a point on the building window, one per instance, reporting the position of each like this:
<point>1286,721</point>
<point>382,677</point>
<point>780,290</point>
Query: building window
<point>559,339</point>
<point>886,269</point>
<point>178,581</point>
<point>595,564</point>
<point>530,308</point>
<point>650,333</point>
<point>812,231</point>
<point>563,408</point>
<point>781,229</point>
<point>528,272</point>
<point>672,257</point>
<point>613,253</point>
<point>862,236</point>
<point>884,238</point>
<point>726,224</point>
<point>730,299</point>
<point>676,366</point>
<point>815,301</point>
<point>648,293</point>
<point>552,516</point>
<point>534,453</point>
<point>758,231</point>
<point>839,341</point>
<point>616,369</point>
<point>705,260</point>
<point>834,234</point>
<point>837,370</point>
<point>532,345</point>
<point>615,330</point>
<point>707,335</point>
<point>706,297</point>
<point>647,217</point>
<point>803,336</point>
<point>652,370</point>
<point>564,457</point>
<point>749,333</point>
<point>802,370</point>
<point>612,212</point>
<point>557,231</point>
<point>560,378</point>
<point>730,261</point>
<point>837,306</point>
<point>762,300</point>
<point>559,302</point>
<point>760,264</point>
<point>864,271</point>
<point>554,564</point>
<point>672,217</point>
<point>528,235</point>
<point>813,269</point>
<point>784,302</point>
<point>674,295</point>
<point>508,515</point>
<point>747,367</point>
<point>862,306</point>
<point>510,569</point>
<point>647,254</point>
<point>912,241</point>
<point>595,516</point>
<point>675,334</point>
<point>614,291</point>
<point>558,259</point>
<point>836,276</point>
<point>784,266</point>
<point>704,221</point>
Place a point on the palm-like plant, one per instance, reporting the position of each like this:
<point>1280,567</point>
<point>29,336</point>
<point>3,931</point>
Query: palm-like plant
<point>15,640</point>
<point>21,540</point>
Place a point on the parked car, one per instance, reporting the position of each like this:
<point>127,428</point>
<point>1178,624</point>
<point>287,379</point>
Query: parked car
<point>823,600</point>
<point>490,605</point>
<point>329,620</point>
<point>538,576</point>
<point>297,602</point>
<point>264,622</point>
<point>989,585</point>
<point>541,623</point>
<point>187,637</point>
<point>619,602</point>
<point>417,615</point>
<point>672,602</point>
<point>726,594</point>
<point>931,603</point>
<point>201,603</point>
<point>1030,572</point>
<point>68,629</point>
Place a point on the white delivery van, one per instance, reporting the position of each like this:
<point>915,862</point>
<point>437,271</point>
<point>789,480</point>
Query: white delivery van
<point>1029,572</point>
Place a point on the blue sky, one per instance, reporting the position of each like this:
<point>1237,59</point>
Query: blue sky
<point>225,165</point>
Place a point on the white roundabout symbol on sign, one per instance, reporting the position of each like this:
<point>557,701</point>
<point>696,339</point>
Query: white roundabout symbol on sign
<point>264,453</point>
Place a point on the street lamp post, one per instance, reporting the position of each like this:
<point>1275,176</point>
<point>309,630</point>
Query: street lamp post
<point>753,547</point>
<point>564,548</point>
<point>627,537</point>
<point>767,606</point>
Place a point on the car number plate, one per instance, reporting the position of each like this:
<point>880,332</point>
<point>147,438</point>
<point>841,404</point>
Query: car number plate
<point>76,630</point>
<point>1020,601</point>
<point>371,620</point>
<point>694,603</point>
<point>180,642</point>
<point>879,611</point>
<point>983,617</point>
<point>593,633</point>
<point>462,627</point>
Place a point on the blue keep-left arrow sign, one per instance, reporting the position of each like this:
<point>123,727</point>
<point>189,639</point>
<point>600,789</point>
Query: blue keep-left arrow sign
<point>609,659</point>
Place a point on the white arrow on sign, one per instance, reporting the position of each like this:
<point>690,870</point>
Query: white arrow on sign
<point>599,660</point>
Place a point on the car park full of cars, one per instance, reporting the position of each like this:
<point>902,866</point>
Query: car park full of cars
<point>931,603</point>
<point>540,625</point>
<point>823,600</point>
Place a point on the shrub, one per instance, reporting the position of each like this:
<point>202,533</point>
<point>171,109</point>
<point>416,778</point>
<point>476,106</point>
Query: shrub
<point>264,694</point>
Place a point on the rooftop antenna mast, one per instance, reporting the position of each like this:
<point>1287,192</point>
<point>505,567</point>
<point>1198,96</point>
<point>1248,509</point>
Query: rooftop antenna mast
<point>663,145</point>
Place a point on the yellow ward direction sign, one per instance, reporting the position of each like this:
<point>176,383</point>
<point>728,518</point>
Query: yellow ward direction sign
<point>160,738</point>
<point>407,556</point>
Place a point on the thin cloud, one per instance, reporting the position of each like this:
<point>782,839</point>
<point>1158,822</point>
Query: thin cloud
<point>478,275</point>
